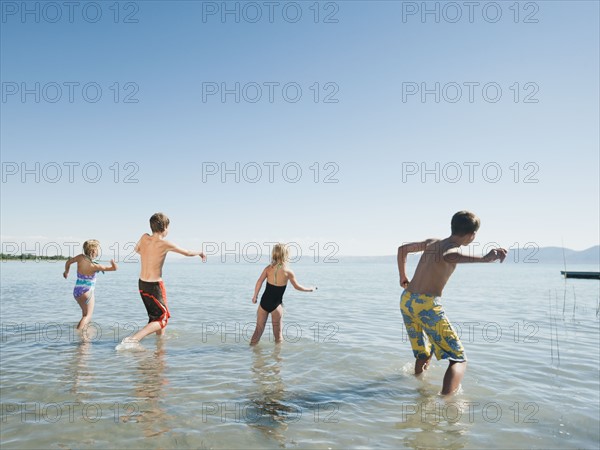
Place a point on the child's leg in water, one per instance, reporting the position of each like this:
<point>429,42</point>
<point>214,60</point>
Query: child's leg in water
<point>261,321</point>
<point>86,303</point>
<point>453,376</point>
<point>154,326</point>
<point>422,364</point>
<point>277,322</point>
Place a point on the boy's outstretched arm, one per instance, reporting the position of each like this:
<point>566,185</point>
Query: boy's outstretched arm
<point>183,251</point>
<point>292,277</point>
<point>403,251</point>
<point>494,255</point>
<point>259,283</point>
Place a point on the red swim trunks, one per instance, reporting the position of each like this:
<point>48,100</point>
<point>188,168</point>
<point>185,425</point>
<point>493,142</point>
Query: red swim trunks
<point>154,296</point>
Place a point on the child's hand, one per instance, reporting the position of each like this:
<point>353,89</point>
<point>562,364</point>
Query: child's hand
<point>496,254</point>
<point>203,256</point>
<point>313,289</point>
<point>113,264</point>
<point>65,274</point>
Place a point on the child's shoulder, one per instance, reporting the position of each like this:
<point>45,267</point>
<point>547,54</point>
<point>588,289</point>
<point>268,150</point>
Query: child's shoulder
<point>435,246</point>
<point>144,239</point>
<point>429,244</point>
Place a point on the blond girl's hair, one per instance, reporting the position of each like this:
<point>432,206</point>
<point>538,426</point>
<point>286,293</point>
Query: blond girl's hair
<point>91,246</point>
<point>279,255</point>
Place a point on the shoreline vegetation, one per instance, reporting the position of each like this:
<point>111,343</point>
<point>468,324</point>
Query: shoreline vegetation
<point>31,257</point>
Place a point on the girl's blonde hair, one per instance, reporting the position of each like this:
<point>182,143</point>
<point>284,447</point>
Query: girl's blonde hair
<point>91,246</point>
<point>279,255</point>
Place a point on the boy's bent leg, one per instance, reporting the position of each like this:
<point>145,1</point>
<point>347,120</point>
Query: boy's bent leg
<point>410,305</point>
<point>148,329</point>
<point>453,377</point>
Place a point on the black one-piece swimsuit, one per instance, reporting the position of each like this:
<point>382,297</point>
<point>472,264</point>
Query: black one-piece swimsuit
<point>272,297</point>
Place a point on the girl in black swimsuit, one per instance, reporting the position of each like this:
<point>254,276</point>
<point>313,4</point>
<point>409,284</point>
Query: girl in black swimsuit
<point>277,275</point>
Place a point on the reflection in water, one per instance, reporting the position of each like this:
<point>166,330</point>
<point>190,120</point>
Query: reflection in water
<point>269,414</point>
<point>79,372</point>
<point>432,421</point>
<point>147,408</point>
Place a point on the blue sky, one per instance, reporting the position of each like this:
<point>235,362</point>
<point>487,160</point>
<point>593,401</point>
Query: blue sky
<point>545,143</point>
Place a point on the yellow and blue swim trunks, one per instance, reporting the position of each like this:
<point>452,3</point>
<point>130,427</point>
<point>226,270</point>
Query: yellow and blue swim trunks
<point>428,328</point>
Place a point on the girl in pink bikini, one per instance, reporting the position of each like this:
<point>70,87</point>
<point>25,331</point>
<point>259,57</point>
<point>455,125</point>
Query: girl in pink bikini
<point>86,278</point>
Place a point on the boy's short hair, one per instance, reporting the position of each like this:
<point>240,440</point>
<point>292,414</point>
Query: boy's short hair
<point>91,246</point>
<point>464,222</point>
<point>159,222</point>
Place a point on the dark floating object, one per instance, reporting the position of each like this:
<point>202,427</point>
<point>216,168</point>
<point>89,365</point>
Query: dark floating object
<point>582,275</point>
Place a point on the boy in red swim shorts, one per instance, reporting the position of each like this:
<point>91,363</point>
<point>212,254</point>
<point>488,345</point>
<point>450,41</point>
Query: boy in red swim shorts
<point>153,250</point>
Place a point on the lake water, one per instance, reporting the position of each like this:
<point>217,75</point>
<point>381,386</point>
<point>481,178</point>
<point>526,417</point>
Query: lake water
<point>342,378</point>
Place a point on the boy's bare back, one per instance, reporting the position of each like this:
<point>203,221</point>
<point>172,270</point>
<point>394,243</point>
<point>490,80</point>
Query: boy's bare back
<point>440,257</point>
<point>153,251</point>
<point>434,268</point>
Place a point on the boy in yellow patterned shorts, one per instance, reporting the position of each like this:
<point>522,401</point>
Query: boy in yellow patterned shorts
<point>428,328</point>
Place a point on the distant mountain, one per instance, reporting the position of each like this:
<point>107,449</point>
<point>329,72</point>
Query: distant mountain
<point>558,255</point>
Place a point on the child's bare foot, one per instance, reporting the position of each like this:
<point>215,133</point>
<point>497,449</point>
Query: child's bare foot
<point>129,343</point>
